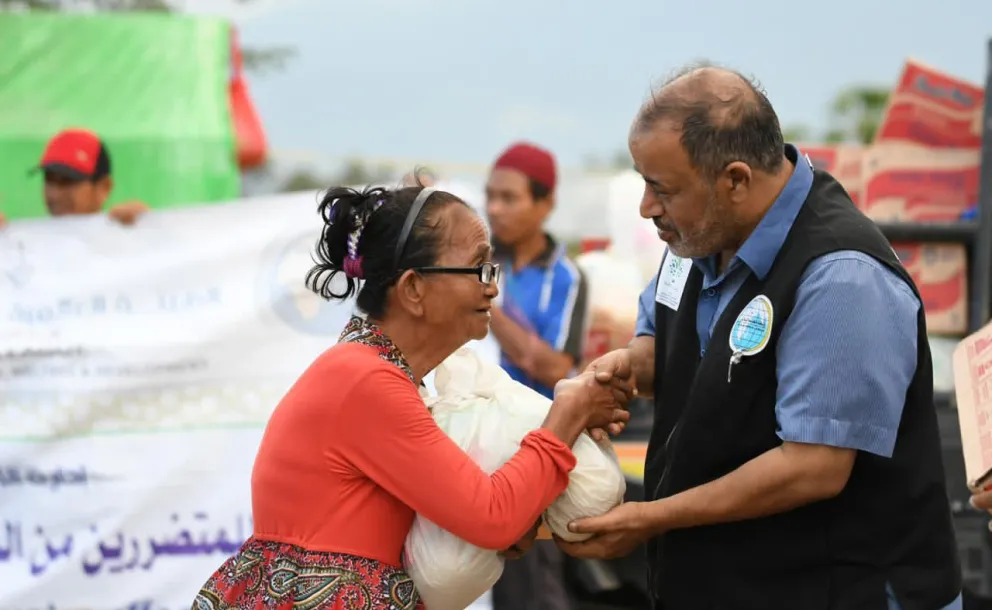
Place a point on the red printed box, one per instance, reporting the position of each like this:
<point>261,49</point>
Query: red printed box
<point>907,183</point>
<point>973,389</point>
<point>941,275</point>
<point>931,108</point>
<point>842,162</point>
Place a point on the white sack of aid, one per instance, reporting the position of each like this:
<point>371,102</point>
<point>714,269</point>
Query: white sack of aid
<point>487,414</point>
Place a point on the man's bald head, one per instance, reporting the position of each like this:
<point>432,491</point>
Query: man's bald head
<point>722,116</point>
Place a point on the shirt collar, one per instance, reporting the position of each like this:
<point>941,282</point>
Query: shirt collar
<point>761,248</point>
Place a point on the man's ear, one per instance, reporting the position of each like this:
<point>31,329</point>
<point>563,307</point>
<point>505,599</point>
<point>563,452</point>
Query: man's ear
<point>104,186</point>
<point>546,205</point>
<point>736,181</point>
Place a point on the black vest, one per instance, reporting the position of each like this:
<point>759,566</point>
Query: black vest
<point>890,524</point>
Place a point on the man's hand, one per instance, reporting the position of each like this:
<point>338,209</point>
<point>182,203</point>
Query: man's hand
<point>127,213</point>
<point>3,220</point>
<point>615,534</point>
<point>983,500</point>
<point>523,545</point>
<point>615,364</point>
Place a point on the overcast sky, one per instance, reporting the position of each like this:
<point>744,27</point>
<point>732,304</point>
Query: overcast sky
<point>456,81</point>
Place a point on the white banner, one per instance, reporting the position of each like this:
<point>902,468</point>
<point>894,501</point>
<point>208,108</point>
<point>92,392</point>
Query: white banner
<point>138,367</point>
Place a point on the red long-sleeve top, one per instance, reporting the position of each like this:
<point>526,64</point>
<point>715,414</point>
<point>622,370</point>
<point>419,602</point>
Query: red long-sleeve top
<point>351,454</point>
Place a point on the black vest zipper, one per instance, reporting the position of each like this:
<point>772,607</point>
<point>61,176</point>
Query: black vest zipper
<point>668,459</point>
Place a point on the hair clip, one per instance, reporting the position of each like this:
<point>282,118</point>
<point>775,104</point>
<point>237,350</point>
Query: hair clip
<point>353,268</point>
<point>353,262</point>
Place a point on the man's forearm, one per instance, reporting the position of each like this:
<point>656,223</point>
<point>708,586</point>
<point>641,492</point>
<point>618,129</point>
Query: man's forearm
<point>776,481</point>
<point>526,350</point>
<point>642,364</point>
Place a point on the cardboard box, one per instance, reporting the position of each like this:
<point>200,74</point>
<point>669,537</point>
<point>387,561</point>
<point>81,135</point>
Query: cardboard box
<point>941,275</point>
<point>608,330</point>
<point>909,183</point>
<point>932,108</point>
<point>973,385</point>
<point>842,162</point>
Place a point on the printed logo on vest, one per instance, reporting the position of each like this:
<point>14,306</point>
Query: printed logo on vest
<point>751,330</point>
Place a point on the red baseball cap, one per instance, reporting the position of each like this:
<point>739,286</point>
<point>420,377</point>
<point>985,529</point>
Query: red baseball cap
<point>532,161</point>
<point>76,153</point>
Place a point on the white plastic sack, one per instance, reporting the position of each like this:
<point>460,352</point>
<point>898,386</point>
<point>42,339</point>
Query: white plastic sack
<point>595,486</point>
<point>487,414</point>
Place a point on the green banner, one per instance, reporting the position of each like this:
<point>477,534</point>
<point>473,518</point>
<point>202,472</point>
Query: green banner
<point>153,86</point>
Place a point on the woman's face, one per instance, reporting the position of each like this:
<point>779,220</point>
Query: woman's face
<point>458,305</point>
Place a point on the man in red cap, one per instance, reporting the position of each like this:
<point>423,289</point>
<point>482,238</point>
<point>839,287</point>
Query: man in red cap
<point>540,326</point>
<point>77,178</point>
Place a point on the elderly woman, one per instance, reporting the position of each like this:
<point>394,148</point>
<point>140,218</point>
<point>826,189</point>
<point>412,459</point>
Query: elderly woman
<point>351,453</point>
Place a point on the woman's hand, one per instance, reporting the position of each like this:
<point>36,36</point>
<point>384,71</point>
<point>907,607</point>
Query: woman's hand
<point>615,364</point>
<point>602,402</point>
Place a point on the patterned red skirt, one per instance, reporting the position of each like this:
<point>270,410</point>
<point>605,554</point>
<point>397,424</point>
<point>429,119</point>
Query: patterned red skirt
<point>267,575</point>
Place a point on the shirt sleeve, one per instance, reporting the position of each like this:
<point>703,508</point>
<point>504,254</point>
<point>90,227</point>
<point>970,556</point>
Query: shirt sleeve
<point>847,355</point>
<point>645,310</point>
<point>390,436</point>
<point>568,307</point>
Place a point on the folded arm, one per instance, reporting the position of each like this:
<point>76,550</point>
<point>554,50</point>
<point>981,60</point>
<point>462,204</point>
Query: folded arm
<point>552,351</point>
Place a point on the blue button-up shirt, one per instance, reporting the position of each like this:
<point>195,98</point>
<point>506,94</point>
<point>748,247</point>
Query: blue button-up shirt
<point>846,355</point>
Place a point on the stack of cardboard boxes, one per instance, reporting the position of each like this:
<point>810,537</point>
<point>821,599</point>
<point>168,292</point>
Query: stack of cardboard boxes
<point>922,167</point>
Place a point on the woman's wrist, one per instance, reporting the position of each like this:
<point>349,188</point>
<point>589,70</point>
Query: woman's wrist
<point>566,420</point>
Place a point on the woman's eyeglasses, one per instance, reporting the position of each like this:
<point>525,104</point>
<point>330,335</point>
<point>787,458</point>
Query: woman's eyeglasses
<point>486,272</point>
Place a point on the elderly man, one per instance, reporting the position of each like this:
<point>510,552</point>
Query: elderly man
<point>795,459</point>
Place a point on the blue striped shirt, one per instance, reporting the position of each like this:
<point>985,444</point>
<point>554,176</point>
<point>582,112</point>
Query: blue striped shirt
<point>846,355</point>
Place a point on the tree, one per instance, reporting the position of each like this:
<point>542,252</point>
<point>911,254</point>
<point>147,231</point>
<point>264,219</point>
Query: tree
<point>856,114</point>
<point>619,160</point>
<point>303,180</point>
<point>258,60</point>
<point>356,172</point>
<point>797,133</point>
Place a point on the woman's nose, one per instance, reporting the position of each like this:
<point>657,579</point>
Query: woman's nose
<point>491,289</point>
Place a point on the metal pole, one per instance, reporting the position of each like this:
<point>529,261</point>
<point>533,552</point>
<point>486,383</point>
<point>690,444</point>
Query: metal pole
<point>980,308</point>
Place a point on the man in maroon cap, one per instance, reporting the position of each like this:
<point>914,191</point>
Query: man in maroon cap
<point>540,326</point>
<point>77,178</point>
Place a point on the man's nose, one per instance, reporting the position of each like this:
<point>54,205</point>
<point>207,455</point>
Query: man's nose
<point>650,208</point>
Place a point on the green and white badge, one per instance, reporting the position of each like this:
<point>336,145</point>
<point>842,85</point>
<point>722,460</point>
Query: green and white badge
<point>671,281</point>
<point>751,330</point>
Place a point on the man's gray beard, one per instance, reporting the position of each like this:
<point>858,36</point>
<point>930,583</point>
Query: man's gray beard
<point>686,253</point>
